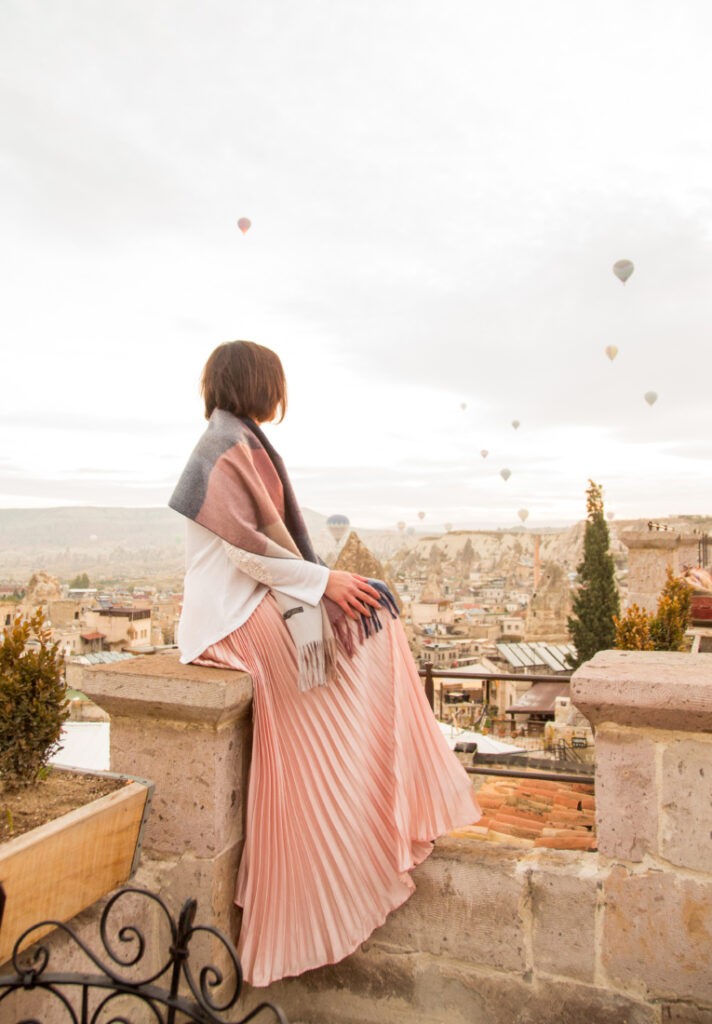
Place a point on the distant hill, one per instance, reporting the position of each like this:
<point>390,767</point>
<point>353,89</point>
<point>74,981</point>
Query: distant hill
<point>103,542</point>
<point>500,550</point>
<point>148,543</point>
<point>84,528</point>
<point>106,543</point>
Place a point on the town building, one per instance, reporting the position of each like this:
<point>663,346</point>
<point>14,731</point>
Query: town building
<point>120,627</point>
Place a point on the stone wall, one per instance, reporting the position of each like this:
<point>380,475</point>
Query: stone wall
<point>624,934</point>
<point>491,934</point>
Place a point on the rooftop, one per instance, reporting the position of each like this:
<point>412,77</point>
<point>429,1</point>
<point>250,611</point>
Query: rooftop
<point>556,657</point>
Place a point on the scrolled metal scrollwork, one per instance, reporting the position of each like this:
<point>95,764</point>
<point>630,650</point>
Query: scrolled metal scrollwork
<point>124,949</point>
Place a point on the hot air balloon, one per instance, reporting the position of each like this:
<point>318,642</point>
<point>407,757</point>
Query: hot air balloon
<point>623,269</point>
<point>610,515</point>
<point>463,405</point>
<point>611,351</point>
<point>505,473</point>
<point>244,224</point>
<point>93,538</point>
<point>400,526</point>
<point>651,397</point>
<point>338,525</point>
<point>448,527</point>
<point>523,514</point>
<point>421,515</point>
<point>484,453</point>
<point>515,424</point>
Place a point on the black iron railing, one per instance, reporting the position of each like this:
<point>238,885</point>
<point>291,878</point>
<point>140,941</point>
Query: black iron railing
<point>113,996</point>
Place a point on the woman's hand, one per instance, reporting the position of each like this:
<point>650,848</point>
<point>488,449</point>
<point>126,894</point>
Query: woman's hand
<point>352,593</point>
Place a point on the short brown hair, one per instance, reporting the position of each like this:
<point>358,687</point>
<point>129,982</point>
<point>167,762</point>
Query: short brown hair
<point>245,379</point>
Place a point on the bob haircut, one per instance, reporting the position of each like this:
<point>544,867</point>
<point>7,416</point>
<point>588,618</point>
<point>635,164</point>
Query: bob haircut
<point>245,379</point>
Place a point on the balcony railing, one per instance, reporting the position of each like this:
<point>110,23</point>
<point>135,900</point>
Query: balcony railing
<point>428,673</point>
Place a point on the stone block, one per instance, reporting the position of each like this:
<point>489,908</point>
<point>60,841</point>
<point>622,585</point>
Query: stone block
<point>364,988</point>
<point>200,775</point>
<point>563,922</point>
<point>456,992</point>
<point>188,729</point>
<point>459,993</point>
<point>375,975</point>
<point>160,687</point>
<point>657,934</point>
<point>467,904</point>
<point>572,1003</point>
<point>686,1013</point>
<point>646,689</point>
<point>626,796</point>
<point>412,988</point>
<point>416,988</point>
<point>686,835</point>
<point>210,881</point>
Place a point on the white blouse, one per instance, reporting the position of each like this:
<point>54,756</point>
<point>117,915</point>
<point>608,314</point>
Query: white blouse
<point>223,587</point>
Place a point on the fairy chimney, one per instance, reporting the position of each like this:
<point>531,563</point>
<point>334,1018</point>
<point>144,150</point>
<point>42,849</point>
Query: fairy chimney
<point>355,557</point>
<point>42,588</point>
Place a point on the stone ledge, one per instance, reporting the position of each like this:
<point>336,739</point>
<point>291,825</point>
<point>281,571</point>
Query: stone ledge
<point>656,689</point>
<point>158,685</point>
<point>665,540</point>
<point>418,988</point>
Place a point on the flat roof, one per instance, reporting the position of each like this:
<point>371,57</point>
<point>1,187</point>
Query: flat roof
<point>539,699</point>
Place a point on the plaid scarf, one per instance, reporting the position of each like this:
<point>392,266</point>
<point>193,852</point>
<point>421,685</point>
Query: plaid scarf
<point>236,485</point>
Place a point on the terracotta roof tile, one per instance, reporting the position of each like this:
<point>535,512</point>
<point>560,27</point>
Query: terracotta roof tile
<point>572,800</point>
<point>534,812</point>
<point>570,842</point>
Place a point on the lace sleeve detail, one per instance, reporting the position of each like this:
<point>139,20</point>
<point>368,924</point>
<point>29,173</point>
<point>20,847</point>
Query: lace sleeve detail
<point>249,563</point>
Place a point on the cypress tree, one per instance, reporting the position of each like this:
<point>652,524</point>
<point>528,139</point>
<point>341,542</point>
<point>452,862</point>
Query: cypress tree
<point>592,627</point>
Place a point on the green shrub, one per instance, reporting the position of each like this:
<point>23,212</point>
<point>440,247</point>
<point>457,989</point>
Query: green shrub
<point>32,700</point>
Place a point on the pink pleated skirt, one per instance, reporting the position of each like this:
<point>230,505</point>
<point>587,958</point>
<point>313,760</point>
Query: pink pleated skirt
<point>349,784</point>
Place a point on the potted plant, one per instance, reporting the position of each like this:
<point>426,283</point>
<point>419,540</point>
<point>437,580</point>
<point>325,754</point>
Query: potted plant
<point>62,866</point>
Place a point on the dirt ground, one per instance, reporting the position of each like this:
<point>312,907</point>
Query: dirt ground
<point>25,809</point>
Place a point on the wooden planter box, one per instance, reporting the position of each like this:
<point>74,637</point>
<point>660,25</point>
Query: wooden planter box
<point>61,868</point>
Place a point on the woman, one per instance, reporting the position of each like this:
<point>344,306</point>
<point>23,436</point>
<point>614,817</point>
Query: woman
<point>350,778</point>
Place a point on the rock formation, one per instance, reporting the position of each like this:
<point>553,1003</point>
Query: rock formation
<point>41,589</point>
<point>355,557</point>
<point>432,591</point>
<point>549,607</point>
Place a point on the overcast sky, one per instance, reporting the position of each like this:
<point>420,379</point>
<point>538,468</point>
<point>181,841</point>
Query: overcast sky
<point>437,191</point>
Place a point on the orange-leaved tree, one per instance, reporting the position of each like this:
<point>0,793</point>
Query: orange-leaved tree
<point>664,631</point>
